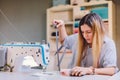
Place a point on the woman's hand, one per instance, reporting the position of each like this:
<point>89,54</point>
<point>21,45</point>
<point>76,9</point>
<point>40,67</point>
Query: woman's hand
<point>65,72</point>
<point>58,23</point>
<point>80,71</point>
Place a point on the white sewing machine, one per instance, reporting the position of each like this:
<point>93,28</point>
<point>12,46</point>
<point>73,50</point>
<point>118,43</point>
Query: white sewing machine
<point>40,52</point>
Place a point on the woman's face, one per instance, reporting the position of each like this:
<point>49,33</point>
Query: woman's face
<point>87,33</point>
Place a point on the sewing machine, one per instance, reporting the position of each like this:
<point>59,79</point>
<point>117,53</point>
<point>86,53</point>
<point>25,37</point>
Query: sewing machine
<point>40,53</point>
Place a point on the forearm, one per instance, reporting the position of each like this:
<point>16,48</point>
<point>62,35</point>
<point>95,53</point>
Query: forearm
<point>104,71</point>
<point>79,71</point>
<point>61,28</point>
<point>62,34</point>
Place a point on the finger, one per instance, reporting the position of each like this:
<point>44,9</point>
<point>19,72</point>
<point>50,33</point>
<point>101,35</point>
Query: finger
<point>63,73</point>
<point>77,73</point>
<point>75,68</point>
<point>55,21</point>
<point>58,23</point>
<point>82,73</point>
<point>73,73</point>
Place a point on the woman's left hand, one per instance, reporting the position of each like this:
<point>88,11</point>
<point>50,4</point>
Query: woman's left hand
<point>65,72</point>
<point>80,71</point>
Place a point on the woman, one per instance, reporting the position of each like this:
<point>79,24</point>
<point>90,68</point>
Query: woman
<point>96,53</point>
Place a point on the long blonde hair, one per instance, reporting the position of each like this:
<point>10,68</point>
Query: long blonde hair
<point>96,24</point>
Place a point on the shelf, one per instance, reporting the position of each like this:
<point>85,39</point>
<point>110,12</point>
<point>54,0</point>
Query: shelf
<point>53,37</point>
<point>69,23</point>
<point>105,20</point>
<point>69,14</point>
<point>94,3</point>
<point>61,8</point>
<point>66,23</point>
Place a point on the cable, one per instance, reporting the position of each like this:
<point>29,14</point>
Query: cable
<point>61,58</point>
<point>57,51</point>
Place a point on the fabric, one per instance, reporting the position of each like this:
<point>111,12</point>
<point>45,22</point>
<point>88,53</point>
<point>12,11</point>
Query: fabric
<point>3,57</point>
<point>107,57</point>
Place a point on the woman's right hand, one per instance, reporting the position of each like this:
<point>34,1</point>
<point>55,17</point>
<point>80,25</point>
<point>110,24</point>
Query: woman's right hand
<point>58,23</point>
